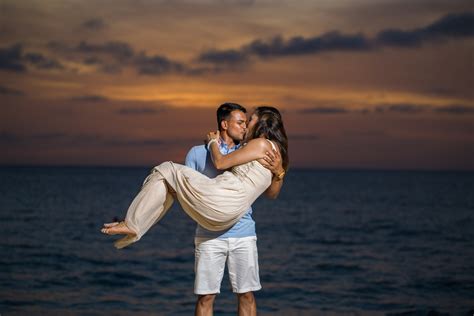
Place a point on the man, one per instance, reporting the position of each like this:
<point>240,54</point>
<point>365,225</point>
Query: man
<point>236,245</point>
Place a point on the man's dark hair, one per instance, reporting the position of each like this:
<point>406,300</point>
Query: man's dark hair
<point>223,112</point>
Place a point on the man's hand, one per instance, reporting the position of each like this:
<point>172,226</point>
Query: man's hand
<point>273,162</point>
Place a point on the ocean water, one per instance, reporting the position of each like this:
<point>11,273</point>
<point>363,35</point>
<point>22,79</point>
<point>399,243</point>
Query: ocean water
<point>333,243</point>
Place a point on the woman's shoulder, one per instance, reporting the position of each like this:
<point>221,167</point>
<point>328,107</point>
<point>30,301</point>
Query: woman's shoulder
<point>261,143</point>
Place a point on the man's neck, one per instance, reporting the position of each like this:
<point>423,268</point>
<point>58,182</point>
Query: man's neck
<point>228,140</point>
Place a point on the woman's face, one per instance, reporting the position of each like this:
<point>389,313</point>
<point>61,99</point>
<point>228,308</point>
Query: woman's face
<point>251,124</point>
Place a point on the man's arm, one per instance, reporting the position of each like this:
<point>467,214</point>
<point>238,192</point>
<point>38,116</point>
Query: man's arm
<point>274,188</point>
<point>191,159</point>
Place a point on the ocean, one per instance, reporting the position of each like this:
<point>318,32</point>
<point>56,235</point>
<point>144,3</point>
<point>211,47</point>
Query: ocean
<point>335,242</point>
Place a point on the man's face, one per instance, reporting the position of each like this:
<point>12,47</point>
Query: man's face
<point>236,125</point>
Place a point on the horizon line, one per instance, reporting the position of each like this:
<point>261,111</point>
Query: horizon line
<point>349,168</point>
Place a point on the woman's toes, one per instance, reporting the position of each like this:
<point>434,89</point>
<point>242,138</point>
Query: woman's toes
<point>116,228</point>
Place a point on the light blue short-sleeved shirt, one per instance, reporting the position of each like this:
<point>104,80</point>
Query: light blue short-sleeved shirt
<point>199,158</point>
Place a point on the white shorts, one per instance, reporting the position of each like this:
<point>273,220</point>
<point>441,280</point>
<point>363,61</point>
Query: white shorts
<point>242,263</point>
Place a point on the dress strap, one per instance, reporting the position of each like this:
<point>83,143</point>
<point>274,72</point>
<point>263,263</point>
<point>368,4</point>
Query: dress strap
<point>273,145</point>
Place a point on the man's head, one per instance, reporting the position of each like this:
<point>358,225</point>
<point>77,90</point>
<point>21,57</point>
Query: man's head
<point>232,121</point>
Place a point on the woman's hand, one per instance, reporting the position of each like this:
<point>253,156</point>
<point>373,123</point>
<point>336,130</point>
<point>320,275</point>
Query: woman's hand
<point>273,162</point>
<point>212,135</point>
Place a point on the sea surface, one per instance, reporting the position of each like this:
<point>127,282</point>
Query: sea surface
<point>333,243</point>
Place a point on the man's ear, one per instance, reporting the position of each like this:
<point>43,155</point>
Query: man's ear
<point>224,125</point>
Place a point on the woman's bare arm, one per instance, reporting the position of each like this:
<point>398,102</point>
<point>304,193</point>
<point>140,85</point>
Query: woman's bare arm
<point>254,149</point>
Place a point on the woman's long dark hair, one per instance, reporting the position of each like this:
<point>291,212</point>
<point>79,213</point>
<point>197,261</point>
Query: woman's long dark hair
<point>270,125</point>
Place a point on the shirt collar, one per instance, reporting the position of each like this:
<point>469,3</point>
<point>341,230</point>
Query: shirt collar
<point>223,145</point>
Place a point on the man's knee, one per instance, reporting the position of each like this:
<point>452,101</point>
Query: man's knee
<point>204,305</point>
<point>246,298</point>
<point>206,300</point>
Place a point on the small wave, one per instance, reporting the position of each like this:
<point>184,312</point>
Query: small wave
<point>105,278</point>
<point>338,242</point>
<point>338,267</point>
<point>419,313</point>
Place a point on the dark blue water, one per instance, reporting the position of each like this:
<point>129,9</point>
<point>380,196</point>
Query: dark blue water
<point>334,243</point>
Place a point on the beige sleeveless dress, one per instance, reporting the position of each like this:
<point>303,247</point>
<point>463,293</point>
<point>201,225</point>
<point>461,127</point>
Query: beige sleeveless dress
<point>216,204</point>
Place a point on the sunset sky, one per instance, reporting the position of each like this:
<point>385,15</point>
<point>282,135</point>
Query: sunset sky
<point>373,84</point>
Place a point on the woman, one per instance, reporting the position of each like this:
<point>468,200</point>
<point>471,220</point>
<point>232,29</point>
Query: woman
<point>218,203</point>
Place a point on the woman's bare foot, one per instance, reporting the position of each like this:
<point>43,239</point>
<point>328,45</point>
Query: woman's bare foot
<point>117,228</point>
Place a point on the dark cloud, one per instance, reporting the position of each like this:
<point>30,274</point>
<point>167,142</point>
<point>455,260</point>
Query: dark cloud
<point>94,24</point>
<point>362,111</point>
<point>401,108</point>
<point>14,59</point>
<point>398,38</point>
<point>231,56</point>
<point>102,65</point>
<point>93,61</point>
<point>324,110</point>
<point>298,45</point>
<point>119,50</point>
<point>278,47</point>
<point>89,98</point>
<point>9,91</point>
<point>42,62</point>
<point>112,56</point>
<point>455,109</point>
<point>156,65</point>
<point>58,46</point>
<point>111,68</point>
<point>11,58</point>
<point>196,71</point>
<point>139,111</point>
<point>450,26</point>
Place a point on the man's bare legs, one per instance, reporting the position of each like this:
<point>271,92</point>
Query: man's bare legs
<point>205,305</point>
<point>247,304</point>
